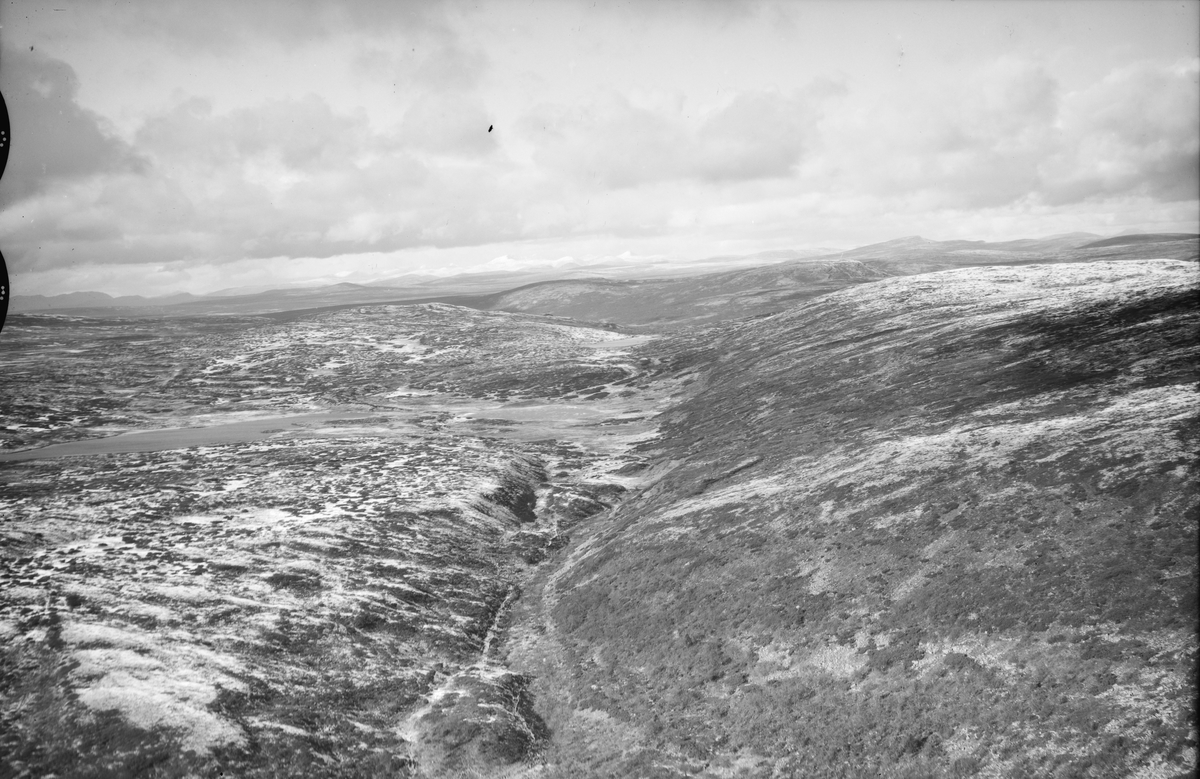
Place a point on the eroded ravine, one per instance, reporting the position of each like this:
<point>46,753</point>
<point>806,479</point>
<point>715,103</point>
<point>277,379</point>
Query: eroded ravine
<point>479,719</point>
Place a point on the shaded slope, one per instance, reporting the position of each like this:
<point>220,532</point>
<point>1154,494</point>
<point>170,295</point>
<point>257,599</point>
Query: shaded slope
<point>1141,238</point>
<point>935,526</point>
<point>907,256</point>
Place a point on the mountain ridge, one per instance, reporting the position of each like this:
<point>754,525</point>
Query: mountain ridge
<point>908,255</point>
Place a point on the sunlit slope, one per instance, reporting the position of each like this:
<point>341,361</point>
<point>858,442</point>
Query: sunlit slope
<point>941,525</point>
<point>701,299</point>
<point>771,289</point>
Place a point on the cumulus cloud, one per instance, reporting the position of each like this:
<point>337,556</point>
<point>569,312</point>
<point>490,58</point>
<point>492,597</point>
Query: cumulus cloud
<point>1136,131</point>
<point>390,150</point>
<point>303,135</point>
<point>449,123</point>
<point>287,178</point>
<point>973,141</point>
<point>616,144</point>
<point>758,135</point>
<point>55,140</point>
<point>1010,132</point>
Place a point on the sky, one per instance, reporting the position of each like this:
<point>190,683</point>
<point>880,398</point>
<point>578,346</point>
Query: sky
<point>181,145</point>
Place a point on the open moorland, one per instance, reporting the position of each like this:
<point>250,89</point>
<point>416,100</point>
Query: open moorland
<point>873,524</point>
<point>247,544</point>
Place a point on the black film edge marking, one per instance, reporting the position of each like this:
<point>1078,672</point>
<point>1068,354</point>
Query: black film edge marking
<point>5,135</point>
<point>5,142</point>
<point>4,289</point>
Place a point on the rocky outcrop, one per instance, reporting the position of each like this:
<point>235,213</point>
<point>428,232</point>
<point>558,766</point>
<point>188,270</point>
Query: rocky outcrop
<point>517,492</point>
<point>480,722</point>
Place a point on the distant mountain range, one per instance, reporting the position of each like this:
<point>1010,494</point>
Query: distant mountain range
<point>95,300</point>
<point>652,294</point>
<point>770,289</point>
<point>422,284</point>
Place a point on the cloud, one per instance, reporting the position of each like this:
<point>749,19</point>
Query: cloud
<point>54,139</point>
<point>286,178</point>
<point>222,26</point>
<point>616,144</point>
<point>448,123</point>
<point>429,60</point>
<point>303,135</point>
<point>1010,132</point>
<point>758,135</point>
<point>447,64</point>
<point>974,140</point>
<point>1136,131</point>
<point>720,12</point>
<point>210,184</point>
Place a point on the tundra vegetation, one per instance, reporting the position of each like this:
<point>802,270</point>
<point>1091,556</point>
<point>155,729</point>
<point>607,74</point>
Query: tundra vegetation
<point>931,525</point>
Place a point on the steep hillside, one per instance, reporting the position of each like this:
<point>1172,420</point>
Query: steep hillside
<point>942,525</point>
<point>1141,238</point>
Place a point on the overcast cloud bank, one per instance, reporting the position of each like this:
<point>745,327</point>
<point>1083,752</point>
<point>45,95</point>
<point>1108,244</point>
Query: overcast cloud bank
<point>378,157</point>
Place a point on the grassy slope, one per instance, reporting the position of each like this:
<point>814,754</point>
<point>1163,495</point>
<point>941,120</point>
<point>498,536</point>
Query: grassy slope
<point>933,526</point>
